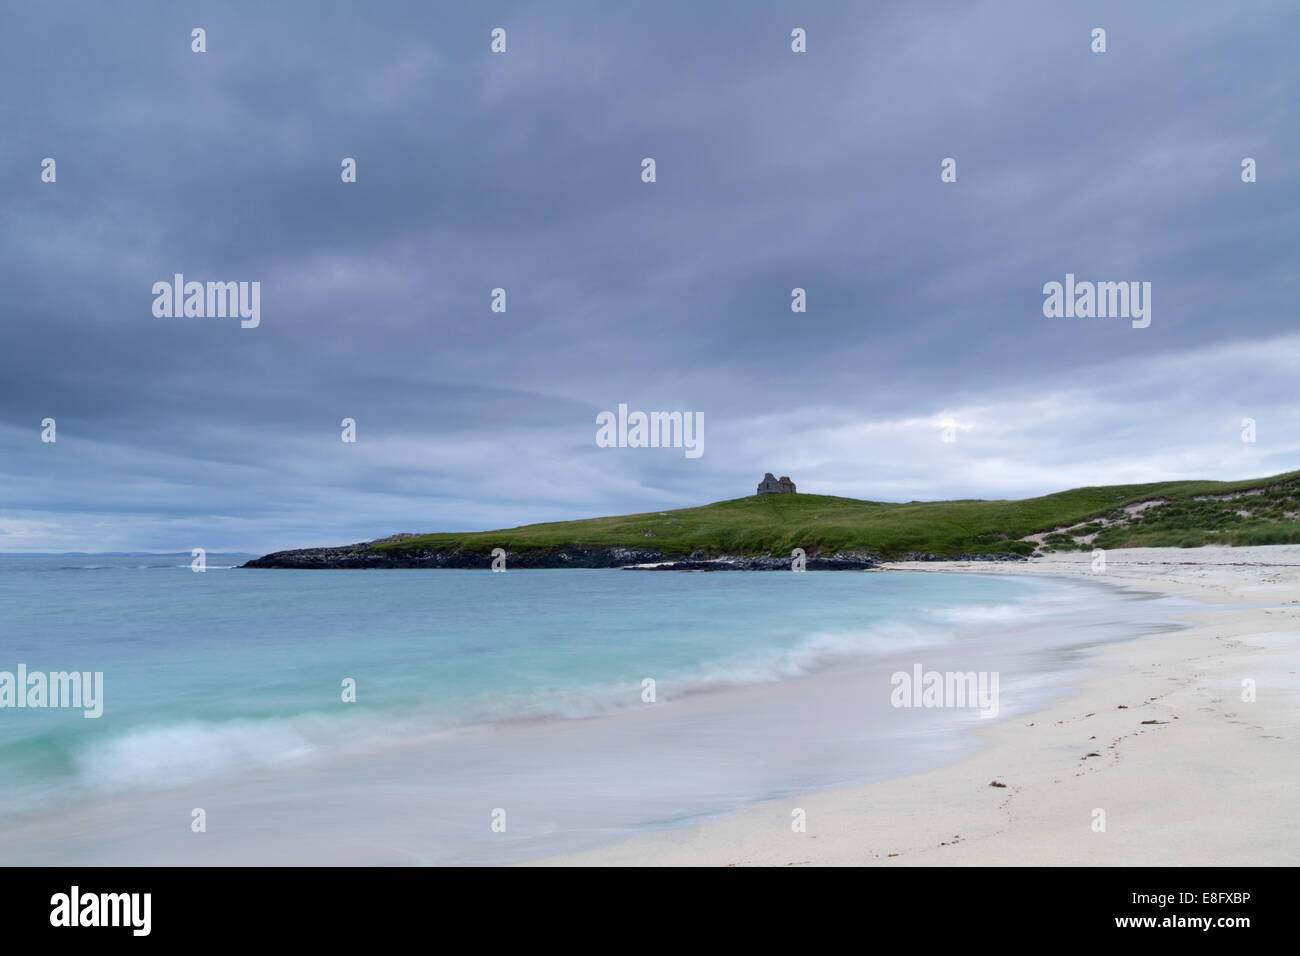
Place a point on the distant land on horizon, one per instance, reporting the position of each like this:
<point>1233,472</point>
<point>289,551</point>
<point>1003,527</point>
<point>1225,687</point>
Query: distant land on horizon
<point>759,532</point>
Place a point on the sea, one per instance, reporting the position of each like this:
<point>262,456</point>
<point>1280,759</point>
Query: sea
<point>473,717</point>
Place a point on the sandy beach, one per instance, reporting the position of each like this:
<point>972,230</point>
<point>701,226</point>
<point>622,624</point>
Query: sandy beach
<point>1185,770</point>
<point>1121,692</point>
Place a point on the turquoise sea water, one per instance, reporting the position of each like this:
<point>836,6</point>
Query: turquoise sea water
<point>211,676</point>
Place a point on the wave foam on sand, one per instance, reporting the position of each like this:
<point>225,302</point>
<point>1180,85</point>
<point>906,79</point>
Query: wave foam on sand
<point>1185,771</point>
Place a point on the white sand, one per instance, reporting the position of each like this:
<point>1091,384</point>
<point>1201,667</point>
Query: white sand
<point>1215,782</point>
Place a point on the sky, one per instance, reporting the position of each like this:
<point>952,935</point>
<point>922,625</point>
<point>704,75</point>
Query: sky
<point>923,368</point>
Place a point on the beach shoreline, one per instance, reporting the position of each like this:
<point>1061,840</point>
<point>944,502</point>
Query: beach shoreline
<point>402,791</point>
<point>1159,761</point>
<point>1202,784</point>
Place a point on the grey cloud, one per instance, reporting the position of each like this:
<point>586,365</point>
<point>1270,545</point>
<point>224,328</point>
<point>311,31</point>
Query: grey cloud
<point>522,171</point>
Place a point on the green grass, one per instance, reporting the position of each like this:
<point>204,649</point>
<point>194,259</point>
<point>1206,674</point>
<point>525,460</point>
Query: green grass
<point>776,524</point>
<point>1269,517</point>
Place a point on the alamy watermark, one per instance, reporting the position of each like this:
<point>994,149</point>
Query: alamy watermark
<point>651,430</point>
<point>211,300</point>
<point>129,910</point>
<point>1098,300</point>
<point>922,688</point>
<point>37,690</point>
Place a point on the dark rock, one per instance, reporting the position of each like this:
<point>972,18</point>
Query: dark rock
<point>840,561</point>
<point>362,555</point>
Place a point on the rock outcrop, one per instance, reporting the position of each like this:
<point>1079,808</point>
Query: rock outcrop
<point>362,555</point>
<point>840,561</point>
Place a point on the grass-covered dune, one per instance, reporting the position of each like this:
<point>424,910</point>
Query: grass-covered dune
<point>1175,513</point>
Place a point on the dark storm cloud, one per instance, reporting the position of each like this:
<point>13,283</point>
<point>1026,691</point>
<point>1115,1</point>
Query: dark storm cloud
<point>522,170</point>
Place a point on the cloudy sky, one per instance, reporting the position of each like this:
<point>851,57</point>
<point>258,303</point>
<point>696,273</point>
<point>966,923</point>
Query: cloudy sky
<point>523,170</point>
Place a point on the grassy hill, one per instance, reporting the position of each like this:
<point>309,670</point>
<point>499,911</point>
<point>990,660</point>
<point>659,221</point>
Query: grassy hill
<point>1175,513</point>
